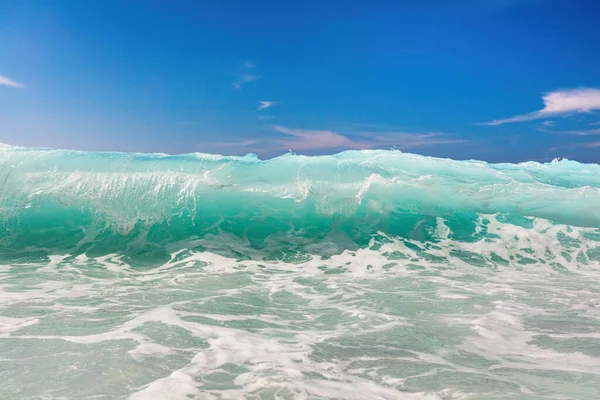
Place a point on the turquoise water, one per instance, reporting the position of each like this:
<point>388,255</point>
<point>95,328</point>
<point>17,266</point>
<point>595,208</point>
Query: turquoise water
<point>362,275</point>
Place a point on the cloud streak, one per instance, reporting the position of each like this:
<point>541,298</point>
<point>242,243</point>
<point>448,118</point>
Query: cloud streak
<point>265,104</point>
<point>573,132</point>
<point>4,81</point>
<point>558,103</point>
<point>244,77</point>
<point>242,80</point>
<point>587,145</point>
<point>303,140</point>
<point>313,139</point>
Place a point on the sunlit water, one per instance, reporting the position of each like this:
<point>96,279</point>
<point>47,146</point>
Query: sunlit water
<point>366,275</point>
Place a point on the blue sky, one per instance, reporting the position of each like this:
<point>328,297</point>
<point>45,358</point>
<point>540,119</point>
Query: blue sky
<point>497,80</point>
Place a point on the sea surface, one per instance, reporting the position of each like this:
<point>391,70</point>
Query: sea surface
<point>361,275</point>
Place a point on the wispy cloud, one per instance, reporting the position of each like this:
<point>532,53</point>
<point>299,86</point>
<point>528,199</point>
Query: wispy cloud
<point>9,82</point>
<point>579,133</point>
<point>403,140</point>
<point>314,139</point>
<point>309,140</point>
<point>244,76</point>
<point>559,103</point>
<point>574,143</point>
<point>321,140</point>
<point>265,117</point>
<point>242,80</point>
<point>265,104</point>
<point>573,132</point>
<point>584,145</point>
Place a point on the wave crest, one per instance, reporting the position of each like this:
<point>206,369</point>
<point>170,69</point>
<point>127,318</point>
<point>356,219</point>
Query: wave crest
<point>67,198</point>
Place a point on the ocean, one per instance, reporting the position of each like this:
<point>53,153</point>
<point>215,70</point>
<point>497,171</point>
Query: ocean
<point>361,275</point>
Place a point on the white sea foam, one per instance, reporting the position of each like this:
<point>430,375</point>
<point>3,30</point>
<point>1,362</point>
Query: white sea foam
<point>504,315</point>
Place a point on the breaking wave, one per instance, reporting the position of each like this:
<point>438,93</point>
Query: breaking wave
<point>65,199</point>
<point>361,275</point>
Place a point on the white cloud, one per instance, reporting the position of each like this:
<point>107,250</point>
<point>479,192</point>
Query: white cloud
<point>559,103</point>
<point>265,104</point>
<point>580,133</point>
<point>243,79</point>
<point>9,82</point>
<point>314,139</point>
<point>322,140</point>
<point>573,132</point>
<point>326,139</point>
<point>579,145</point>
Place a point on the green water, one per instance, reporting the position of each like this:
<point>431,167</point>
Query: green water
<point>365,275</point>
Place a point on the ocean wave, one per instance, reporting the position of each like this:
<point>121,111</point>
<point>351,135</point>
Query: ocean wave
<point>66,198</point>
<point>366,274</point>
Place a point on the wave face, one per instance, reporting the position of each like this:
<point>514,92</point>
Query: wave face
<point>366,274</point>
<point>74,200</point>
